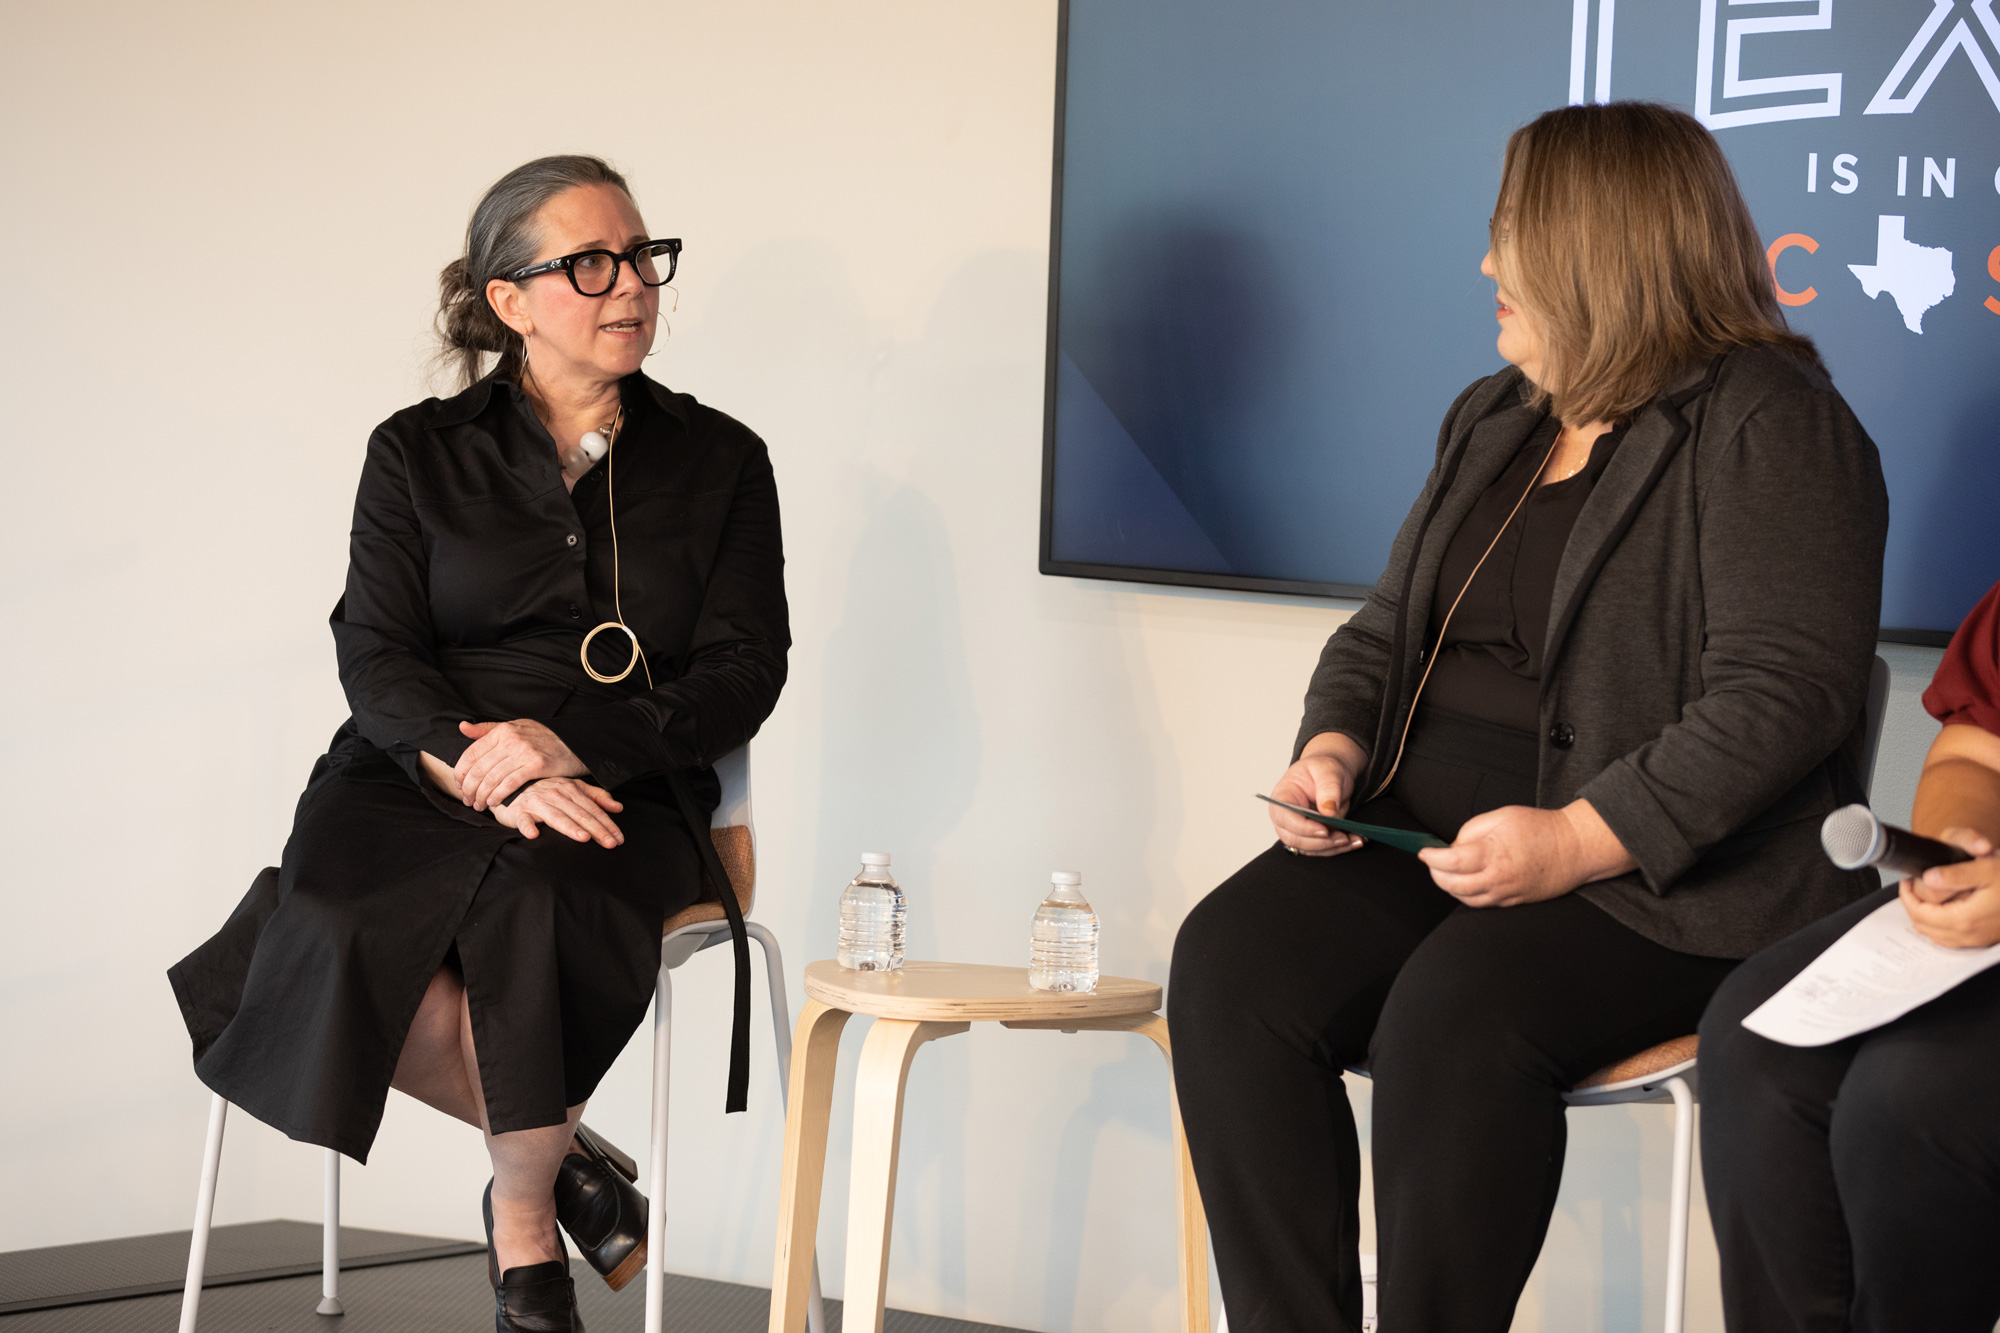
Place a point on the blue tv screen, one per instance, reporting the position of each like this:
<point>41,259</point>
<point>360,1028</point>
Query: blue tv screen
<point>1269,217</point>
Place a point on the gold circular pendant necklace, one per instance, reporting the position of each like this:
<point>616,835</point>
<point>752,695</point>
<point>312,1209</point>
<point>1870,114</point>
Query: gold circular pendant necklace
<point>603,443</point>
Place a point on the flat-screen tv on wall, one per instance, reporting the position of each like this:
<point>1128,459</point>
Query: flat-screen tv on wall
<point>1269,216</point>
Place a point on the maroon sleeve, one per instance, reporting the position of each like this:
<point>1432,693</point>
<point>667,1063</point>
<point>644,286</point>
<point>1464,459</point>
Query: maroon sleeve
<point>1966,688</point>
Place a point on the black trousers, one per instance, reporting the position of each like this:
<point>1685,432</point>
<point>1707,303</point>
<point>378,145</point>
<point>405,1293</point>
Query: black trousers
<point>1855,1185</point>
<point>1474,1022</point>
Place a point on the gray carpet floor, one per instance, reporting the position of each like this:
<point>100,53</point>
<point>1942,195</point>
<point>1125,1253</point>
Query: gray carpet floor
<point>434,1296</point>
<point>150,1265</point>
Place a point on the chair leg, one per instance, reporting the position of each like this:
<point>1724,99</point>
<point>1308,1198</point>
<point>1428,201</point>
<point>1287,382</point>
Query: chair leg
<point>656,1173</point>
<point>1677,1211</point>
<point>871,1192</point>
<point>329,1259</point>
<point>781,1029</point>
<point>204,1213</point>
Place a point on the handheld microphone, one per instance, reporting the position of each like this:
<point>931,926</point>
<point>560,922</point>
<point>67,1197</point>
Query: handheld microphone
<point>1854,840</point>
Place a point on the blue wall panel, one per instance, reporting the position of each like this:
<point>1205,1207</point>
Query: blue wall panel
<point>1272,213</point>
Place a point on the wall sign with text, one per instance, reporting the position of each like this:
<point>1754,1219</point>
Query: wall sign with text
<point>1270,216</point>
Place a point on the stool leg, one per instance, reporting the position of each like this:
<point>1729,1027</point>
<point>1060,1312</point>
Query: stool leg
<point>871,1191</point>
<point>808,1107</point>
<point>1187,1194</point>
<point>781,1031</point>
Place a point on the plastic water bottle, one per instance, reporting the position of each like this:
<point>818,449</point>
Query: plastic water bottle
<point>871,918</point>
<point>1063,954</point>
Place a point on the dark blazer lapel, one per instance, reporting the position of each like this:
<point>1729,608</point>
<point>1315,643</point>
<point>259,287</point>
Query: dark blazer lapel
<point>1656,435</point>
<point>1605,515</point>
<point>1494,441</point>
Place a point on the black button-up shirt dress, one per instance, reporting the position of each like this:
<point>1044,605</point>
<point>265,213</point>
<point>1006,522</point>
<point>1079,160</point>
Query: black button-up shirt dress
<point>473,577</point>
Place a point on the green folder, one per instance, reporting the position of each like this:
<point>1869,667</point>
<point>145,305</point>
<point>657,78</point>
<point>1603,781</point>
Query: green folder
<point>1402,839</point>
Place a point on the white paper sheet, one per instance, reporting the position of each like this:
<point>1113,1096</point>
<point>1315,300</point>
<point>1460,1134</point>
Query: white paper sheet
<point>1874,974</point>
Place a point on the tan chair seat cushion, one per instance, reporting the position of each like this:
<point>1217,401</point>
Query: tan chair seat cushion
<point>738,854</point>
<point>1649,1061</point>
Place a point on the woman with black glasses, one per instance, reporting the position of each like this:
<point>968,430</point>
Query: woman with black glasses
<point>565,600</point>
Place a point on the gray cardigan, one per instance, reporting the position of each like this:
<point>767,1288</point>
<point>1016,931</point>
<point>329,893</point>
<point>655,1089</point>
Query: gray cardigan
<point>1709,645</point>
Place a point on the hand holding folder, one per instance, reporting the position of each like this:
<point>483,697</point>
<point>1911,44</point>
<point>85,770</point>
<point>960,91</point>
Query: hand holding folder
<point>1402,839</point>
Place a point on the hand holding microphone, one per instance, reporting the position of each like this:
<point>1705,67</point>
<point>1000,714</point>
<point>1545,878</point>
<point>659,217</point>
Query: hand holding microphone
<point>1855,840</point>
<point>1952,893</point>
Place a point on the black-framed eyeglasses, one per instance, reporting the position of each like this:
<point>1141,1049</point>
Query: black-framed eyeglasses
<point>595,272</point>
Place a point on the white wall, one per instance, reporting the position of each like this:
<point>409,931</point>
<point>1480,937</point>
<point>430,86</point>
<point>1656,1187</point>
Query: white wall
<point>224,226</point>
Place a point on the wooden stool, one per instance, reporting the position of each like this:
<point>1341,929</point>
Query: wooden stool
<point>920,1003</point>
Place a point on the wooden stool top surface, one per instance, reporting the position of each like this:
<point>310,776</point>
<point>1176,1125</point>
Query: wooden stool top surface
<point>970,992</point>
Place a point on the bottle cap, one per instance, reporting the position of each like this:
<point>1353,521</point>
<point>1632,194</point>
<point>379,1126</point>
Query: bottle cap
<point>874,858</point>
<point>1066,877</point>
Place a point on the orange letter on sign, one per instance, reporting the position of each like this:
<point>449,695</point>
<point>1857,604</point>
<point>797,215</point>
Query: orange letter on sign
<point>1993,267</point>
<point>1778,247</point>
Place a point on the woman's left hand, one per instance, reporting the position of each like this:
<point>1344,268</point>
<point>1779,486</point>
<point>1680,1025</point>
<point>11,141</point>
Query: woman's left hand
<point>1518,854</point>
<point>505,756</point>
<point>1958,905</point>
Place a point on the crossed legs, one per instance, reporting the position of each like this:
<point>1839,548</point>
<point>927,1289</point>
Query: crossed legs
<point>440,1068</point>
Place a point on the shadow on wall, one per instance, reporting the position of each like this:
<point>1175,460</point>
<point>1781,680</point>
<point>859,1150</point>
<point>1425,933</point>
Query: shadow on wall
<point>1075,768</point>
<point>1124,1092</point>
<point>1198,319</point>
<point>910,469</point>
<point>781,341</point>
<point>901,776</point>
<point>1081,765</point>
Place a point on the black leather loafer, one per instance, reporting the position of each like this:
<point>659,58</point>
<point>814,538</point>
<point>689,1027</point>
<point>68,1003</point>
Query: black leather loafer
<point>536,1298</point>
<point>599,1206</point>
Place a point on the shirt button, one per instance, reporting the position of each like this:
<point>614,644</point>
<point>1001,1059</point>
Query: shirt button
<point>1562,735</point>
<point>575,614</point>
<point>571,539</point>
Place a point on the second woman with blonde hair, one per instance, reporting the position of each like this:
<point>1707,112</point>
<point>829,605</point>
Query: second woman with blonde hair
<point>1617,661</point>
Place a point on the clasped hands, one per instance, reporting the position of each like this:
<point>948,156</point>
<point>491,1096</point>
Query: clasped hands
<point>503,758</point>
<point>1503,858</point>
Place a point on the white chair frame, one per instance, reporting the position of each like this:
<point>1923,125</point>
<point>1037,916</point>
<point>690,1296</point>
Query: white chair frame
<point>675,949</point>
<point>1675,1084</point>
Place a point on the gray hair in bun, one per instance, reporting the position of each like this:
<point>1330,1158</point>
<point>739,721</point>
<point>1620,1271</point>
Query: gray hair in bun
<point>502,239</point>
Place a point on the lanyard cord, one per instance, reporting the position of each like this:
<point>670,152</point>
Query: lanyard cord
<point>638,657</point>
<point>1411,717</point>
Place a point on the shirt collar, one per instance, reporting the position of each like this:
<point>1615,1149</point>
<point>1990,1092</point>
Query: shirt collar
<point>466,406</point>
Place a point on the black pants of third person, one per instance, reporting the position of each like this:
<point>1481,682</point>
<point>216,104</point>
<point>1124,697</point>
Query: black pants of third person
<point>1854,1185</point>
<point>1473,1021</point>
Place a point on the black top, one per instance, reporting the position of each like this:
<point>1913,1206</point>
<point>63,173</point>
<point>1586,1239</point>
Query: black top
<point>1489,665</point>
<point>474,576</point>
<point>1710,647</point>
